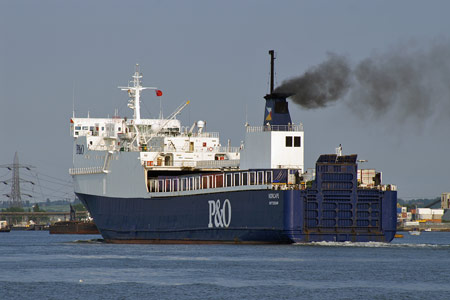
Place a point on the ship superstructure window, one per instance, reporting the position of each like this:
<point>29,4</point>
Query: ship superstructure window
<point>289,141</point>
<point>295,139</point>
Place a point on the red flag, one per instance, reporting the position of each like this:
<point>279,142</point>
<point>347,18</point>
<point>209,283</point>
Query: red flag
<point>158,93</point>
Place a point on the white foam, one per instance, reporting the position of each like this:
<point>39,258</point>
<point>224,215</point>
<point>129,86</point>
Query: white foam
<point>371,245</point>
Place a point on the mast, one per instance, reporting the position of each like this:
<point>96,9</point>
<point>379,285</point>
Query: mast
<point>134,92</point>
<point>137,91</point>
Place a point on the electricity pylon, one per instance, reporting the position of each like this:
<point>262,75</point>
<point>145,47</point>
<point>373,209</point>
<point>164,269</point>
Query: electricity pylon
<point>16,196</point>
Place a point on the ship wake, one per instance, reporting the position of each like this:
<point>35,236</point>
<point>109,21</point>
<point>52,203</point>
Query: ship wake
<point>375,245</point>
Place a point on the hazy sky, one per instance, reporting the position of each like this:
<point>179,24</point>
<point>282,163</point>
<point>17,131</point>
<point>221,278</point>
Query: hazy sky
<point>214,53</point>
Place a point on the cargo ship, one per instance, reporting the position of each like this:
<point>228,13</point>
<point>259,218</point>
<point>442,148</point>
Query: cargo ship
<point>156,181</point>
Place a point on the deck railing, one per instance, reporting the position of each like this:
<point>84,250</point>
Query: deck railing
<point>228,163</point>
<point>210,181</point>
<point>291,127</point>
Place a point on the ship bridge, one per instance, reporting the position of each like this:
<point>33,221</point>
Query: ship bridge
<point>274,147</point>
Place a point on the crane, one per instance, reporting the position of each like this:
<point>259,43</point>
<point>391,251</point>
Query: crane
<point>170,118</point>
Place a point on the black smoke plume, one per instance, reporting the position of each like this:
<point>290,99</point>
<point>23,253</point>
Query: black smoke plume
<point>320,85</point>
<point>408,81</point>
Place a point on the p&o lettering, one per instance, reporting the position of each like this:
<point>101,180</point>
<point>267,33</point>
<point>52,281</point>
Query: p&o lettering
<point>219,215</point>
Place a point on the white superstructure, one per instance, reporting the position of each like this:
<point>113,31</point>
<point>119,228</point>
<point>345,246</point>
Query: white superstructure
<point>273,147</point>
<point>118,156</point>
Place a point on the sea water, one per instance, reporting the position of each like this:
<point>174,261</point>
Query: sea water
<point>37,265</point>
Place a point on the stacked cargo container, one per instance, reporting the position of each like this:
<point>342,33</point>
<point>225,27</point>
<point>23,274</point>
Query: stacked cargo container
<point>428,214</point>
<point>369,177</point>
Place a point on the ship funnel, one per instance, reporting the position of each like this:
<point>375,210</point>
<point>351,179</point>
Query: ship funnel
<point>276,111</point>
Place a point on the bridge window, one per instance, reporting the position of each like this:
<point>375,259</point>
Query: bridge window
<point>289,141</point>
<point>296,141</point>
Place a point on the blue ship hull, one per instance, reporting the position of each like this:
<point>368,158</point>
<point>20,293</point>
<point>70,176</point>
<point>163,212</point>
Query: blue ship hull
<point>249,216</point>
